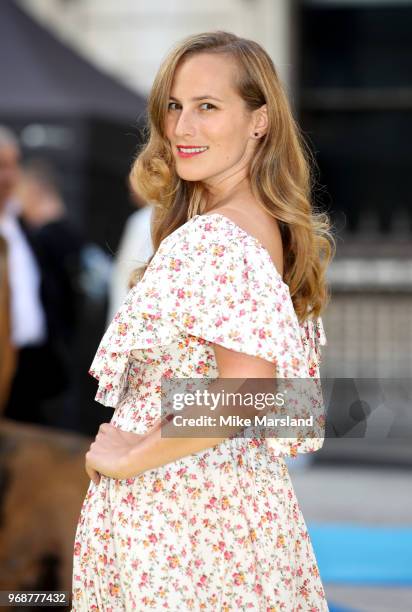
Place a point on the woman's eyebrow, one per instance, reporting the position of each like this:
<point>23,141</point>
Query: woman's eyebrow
<point>196,98</point>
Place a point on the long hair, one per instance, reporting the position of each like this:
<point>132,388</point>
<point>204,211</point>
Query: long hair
<point>280,173</point>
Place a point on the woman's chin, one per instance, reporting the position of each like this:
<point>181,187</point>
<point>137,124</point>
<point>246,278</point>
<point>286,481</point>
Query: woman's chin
<point>191,176</point>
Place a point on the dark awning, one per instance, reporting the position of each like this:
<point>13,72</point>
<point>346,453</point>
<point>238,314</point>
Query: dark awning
<point>40,76</point>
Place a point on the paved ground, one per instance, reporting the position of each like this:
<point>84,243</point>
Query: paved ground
<point>367,496</point>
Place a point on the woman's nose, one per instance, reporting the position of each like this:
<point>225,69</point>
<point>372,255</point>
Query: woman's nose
<point>185,124</point>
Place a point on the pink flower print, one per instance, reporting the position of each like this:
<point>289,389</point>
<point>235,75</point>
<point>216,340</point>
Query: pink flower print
<point>225,503</point>
<point>255,442</point>
<point>181,293</point>
<point>213,600</point>
<point>280,541</point>
<point>129,500</point>
<point>202,581</point>
<point>188,321</point>
<point>173,561</point>
<point>157,485</point>
<point>202,368</point>
<point>212,503</point>
<point>304,590</point>
<point>293,450</point>
<point>314,570</point>
<point>103,558</point>
<point>122,329</point>
<point>114,589</point>
<point>175,264</point>
<point>218,250</point>
<point>239,578</point>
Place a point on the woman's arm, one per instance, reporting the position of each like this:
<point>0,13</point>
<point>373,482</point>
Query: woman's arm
<point>110,456</point>
<point>157,448</point>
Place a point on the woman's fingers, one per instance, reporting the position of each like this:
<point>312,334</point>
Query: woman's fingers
<point>92,473</point>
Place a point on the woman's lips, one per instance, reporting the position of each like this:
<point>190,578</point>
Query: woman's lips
<point>182,153</point>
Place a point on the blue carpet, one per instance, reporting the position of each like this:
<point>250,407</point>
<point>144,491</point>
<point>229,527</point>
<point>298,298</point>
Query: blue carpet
<point>333,608</point>
<point>363,555</point>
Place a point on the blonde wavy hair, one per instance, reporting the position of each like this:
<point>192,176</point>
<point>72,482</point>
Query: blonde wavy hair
<point>280,173</point>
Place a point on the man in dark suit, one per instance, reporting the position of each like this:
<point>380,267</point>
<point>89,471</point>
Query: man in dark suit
<point>7,350</point>
<point>42,297</point>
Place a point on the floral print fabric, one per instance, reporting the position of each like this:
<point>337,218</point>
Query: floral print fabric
<point>220,529</point>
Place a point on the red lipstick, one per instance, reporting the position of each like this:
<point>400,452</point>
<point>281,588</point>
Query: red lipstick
<point>186,151</point>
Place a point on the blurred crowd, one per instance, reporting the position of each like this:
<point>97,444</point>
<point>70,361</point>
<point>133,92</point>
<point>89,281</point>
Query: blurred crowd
<point>46,270</point>
<point>40,255</point>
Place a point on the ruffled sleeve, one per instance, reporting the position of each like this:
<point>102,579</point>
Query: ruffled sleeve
<point>225,292</point>
<point>208,282</point>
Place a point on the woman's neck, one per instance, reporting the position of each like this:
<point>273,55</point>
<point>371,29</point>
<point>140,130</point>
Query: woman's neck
<point>217,198</point>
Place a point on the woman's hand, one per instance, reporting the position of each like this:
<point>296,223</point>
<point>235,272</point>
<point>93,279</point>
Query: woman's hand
<point>109,454</point>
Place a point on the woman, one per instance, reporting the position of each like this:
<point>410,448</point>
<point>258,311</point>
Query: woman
<point>234,289</point>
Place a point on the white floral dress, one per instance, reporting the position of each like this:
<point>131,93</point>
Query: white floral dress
<point>220,529</point>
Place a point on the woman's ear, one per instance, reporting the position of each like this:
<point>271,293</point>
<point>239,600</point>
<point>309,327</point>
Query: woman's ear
<point>261,120</point>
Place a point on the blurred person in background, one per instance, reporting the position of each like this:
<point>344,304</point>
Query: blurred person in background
<point>39,245</point>
<point>7,350</point>
<point>135,248</point>
<point>59,247</point>
<point>27,316</point>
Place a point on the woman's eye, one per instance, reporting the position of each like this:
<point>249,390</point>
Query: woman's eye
<point>170,105</point>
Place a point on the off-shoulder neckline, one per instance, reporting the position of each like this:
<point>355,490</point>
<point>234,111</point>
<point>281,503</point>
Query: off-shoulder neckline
<point>253,239</point>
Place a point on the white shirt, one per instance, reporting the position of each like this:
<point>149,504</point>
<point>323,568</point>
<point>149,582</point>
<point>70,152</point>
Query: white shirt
<point>135,248</point>
<point>28,324</point>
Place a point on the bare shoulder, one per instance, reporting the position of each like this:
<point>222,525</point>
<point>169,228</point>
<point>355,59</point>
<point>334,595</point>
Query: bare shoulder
<point>261,225</point>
